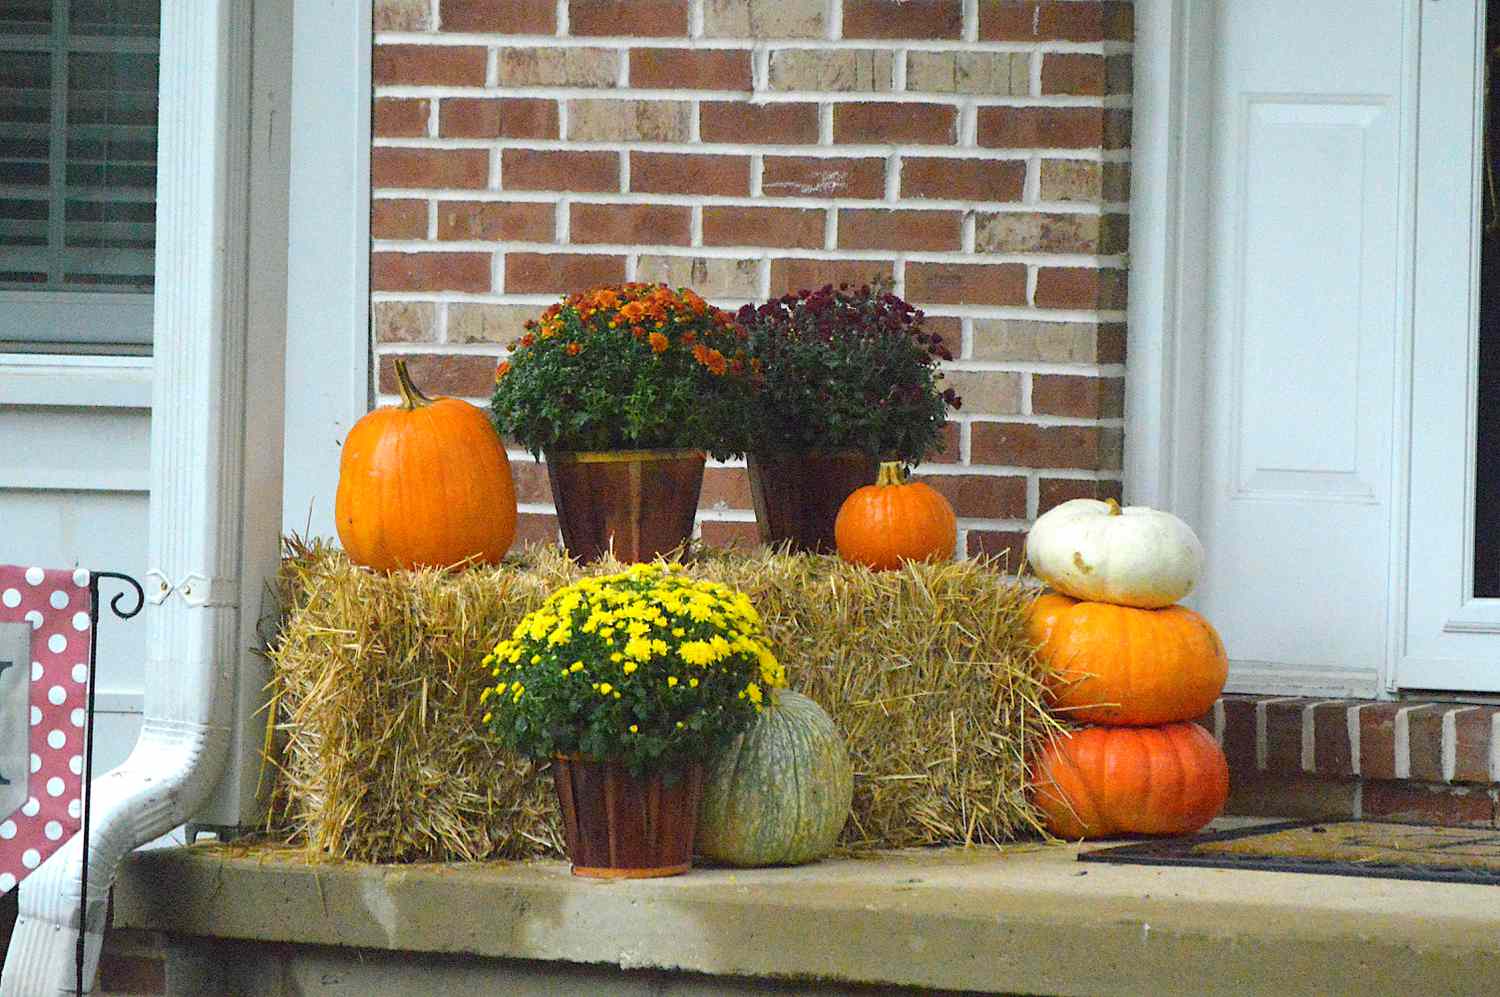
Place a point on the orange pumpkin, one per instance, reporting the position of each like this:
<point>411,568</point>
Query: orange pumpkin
<point>426,482</point>
<point>879,525</point>
<point>1118,665</point>
<point>1102,781</point>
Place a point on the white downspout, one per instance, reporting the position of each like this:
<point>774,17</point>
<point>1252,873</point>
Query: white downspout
<point>196,544</point>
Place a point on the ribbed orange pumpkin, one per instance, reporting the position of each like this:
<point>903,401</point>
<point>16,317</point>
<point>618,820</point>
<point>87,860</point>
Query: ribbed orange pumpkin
<point>881,524</point>
<point>1118,665</point>
<point>426,482</point>
<point>1131,780</point>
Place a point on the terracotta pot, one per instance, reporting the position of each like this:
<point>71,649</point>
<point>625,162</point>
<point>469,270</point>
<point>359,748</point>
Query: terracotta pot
<point>621,827</point>
<point>797,495</point>
<point>642,501</point>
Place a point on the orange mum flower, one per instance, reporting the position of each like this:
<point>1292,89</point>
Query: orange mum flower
<point>606,298</point>
<point>502,370</point>
<point>633,311</point>
<point>528,339</point>
<point>659,343</point>
<point>712,359</point>
<point>572,349</point>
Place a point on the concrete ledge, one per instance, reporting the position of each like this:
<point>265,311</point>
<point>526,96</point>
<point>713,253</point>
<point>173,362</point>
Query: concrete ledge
<point>1026,919</point>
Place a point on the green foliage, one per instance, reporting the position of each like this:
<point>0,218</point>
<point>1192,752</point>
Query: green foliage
<point>844,369</point>
<point>637,366</point>
<point>647,667</point>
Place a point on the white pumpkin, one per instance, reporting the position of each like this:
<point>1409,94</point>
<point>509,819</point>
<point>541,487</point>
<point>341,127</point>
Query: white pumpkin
<point>1098,552</point>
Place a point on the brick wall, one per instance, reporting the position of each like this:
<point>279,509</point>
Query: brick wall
<point>974,151</point>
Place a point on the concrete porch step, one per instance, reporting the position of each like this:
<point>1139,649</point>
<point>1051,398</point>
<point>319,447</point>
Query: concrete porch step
<point>1023,919</point>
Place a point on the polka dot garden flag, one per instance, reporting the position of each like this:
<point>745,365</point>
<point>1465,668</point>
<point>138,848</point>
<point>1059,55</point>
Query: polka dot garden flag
<point>44,668</point>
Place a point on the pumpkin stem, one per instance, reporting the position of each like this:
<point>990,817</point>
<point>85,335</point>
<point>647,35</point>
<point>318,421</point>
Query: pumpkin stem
<point>411,398</point>
<point>892,472</point>
<point>1114,507</point>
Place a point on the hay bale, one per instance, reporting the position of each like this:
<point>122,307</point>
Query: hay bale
<point>376,686</point>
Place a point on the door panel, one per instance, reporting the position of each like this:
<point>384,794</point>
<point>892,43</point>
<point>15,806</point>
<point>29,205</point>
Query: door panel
<point>1451,639</point>
<point>1304,294</point>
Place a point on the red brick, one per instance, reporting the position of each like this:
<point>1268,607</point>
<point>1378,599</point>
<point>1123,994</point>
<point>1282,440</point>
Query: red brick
<point>399,117</point>
<point>432,65</point>
<point>878,228</point>
<point>1284,735</point>
<point>636,18</point>
<point>963,179</point>
<point>1444,806</point>
<point>1377,740</point>
<point>813,176</point>
<point>1010,20</point>
<point>950,441</point>
<point>798,228</point>
<point>1020,444</point>
<point>725,488</point>
<point>752,124</point>
<point>1239,737</point>
<point>1084,397</point>
<point>532,484</point>
<point>430,168</point>
<point>509,17</point>
<point>1117,129</point>
<point>1119,74</point>
<point>906,124</point>
<point>1080,287</point>
<point>1425,743</point>
<point>536,169</point>
<point>729,534</point>
<point>1073,73</point>
<point>644,224</point>
<point>461,375</point>
<point>534,528</point>
<point>1055,491</point>
<point>794,275</point>
<point>560,273</point>
<point>670,173</point>
<point>1041,127</point>
<point>430,272</point>
<point>1331,748</point>
<point>398,219</point>
<point>690,69</point>
<point>981,496</point>
<point>966,283</point>
<point>1008,545</point>
<point>495,221</point>
<point>1111,343</point>
<point>511,117</point>
<point>903,19</point>
<point>1472,757</point>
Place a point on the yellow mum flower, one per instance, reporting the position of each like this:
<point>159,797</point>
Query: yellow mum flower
<point>671,681</point>
<point>638,648</point>
<point>605,688</point>
<point>692,683</point>
<point>630,666</point>
<point>617,657</point>
<point>634,729</point>
<point>696,652</point>
<point>576,666</point>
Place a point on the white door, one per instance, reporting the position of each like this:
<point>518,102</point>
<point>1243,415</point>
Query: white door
<point>1305,290</point>
<point>1451,640</point>
<point>77,201</point>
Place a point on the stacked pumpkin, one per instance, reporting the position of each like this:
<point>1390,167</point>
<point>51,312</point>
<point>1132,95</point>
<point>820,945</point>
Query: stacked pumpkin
<point>1132,664</point>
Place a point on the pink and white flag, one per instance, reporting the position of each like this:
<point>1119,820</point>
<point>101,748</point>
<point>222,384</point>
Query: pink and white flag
<point>44,669</point>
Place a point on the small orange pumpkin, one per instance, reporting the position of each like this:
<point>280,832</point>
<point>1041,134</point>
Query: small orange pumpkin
<point>1118,665</point>
<point>1102,781</point>
<point>879,525</point>
<point>426,482</point>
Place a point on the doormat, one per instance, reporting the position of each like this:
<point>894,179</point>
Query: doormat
<point>1331,848</point>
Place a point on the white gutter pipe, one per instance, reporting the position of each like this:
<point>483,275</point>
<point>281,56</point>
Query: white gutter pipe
<point>198,438</point>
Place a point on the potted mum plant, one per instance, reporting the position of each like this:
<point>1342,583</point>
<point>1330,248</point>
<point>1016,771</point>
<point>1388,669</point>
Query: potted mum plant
<point>628,683</point>
<point>623,388</point>
<point>849,378</point>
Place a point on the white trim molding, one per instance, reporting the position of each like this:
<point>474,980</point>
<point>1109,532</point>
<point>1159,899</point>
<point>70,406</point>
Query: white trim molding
<point>328,292</point>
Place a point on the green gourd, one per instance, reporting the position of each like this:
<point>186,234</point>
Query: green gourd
<point>780,792</point>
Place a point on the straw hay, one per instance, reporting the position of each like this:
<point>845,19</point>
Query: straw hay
<point>375,692</point>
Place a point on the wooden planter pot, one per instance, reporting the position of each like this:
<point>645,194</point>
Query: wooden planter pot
<point>797,495</point>
<point>621,827</point>
<point>643,501</point>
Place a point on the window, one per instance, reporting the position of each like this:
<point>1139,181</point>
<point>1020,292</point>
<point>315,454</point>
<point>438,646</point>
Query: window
<point>78,110</point>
